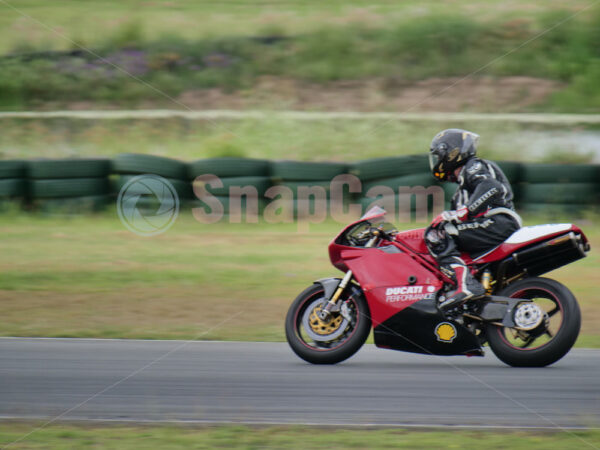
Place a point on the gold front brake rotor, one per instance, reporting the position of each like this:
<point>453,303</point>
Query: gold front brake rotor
<point>323,328</point>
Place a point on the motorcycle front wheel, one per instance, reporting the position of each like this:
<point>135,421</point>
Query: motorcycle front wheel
<point>556,310</point>
<point>332,341</point>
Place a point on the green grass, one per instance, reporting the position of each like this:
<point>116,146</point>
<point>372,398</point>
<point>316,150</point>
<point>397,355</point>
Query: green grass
<point>93,22</point>
<point>174,437</point>
<point>391,43</point>
<point>90,277</point>
<point>272,138</point>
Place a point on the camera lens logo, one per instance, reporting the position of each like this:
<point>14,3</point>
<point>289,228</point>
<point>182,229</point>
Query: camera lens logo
<point>148,205</point>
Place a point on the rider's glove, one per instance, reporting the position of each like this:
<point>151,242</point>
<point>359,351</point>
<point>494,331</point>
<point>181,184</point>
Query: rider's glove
<point>460,215</point>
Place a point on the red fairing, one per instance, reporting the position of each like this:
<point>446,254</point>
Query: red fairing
<point>415,239</point>
<point>385,277</point>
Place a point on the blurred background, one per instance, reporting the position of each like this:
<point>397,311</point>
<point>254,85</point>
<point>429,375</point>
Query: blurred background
<point>338,81</point>
<point>282,92</point>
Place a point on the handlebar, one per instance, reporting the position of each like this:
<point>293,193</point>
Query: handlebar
<point>375,232</point>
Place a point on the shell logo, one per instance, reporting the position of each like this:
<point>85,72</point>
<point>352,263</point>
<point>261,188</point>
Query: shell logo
<point>445,332</point>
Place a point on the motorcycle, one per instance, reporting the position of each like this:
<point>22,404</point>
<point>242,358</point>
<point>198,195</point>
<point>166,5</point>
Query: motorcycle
<point>393,285</point>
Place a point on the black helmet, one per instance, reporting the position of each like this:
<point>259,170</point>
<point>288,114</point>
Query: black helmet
<point>449,150</point>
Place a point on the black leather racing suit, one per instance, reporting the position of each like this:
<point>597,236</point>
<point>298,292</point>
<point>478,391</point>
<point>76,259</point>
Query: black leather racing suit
<point>485,191</point>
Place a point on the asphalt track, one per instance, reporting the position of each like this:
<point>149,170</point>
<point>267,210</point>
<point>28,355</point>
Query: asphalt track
<point>147,381</point>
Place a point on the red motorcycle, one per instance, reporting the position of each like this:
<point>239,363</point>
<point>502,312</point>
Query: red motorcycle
<point>393,284</point>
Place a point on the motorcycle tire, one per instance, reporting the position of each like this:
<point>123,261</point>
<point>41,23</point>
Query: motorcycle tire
<point>563,338</point>
<point>338,351</point>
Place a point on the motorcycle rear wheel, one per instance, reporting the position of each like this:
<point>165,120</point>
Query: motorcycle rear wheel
<point>331,342</point>
<point>548,342</point>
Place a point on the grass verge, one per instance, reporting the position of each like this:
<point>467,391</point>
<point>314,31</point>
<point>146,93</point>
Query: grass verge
<point>90,277</point>
<point>238,436</point>
<point>279,138</point>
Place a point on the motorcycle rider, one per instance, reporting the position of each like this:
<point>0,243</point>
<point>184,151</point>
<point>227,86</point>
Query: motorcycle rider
<point>482,215</point>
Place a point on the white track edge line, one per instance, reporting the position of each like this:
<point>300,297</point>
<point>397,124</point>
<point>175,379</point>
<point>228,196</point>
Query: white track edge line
<point>312,424</point>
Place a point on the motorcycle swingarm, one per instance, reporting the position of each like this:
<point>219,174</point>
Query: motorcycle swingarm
<point>500,309</point>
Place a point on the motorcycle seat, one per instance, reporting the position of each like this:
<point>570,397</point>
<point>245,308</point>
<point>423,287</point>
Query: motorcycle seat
<point>522,237</point>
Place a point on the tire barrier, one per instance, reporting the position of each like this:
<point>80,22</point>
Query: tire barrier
<point>90,184</point>
<point>229,167</point>
<point>126,167</point>
<point>419,179</point>
<point>13,188</point>
<point>68,186</point>
<point>134,164</point>
<point>247,178</point>
<point>299,188</point>
<point>306,171</point>
<point>15,169</point>
<point>512,170</point>
<point>380,168</point>
<point>69,195</point>
<point>558,190</point>
<point>183,188</point>
<point>259,185</point>
<point>13,184</point>
<point>560,173</point>
<point>74,205</point>
<point>309,186</point>
<point>549,193</point>
<point>68,168</point>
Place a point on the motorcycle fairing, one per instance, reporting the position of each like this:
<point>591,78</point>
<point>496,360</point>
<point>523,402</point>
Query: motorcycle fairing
<point>379,269</point>
<point>416,329</point>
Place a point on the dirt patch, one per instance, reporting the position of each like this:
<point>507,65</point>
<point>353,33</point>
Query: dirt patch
<point>435,94</point>
<point>485,94</point>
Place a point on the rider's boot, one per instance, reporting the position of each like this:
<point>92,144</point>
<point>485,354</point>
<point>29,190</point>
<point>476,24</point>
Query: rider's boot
<point>467,287</point>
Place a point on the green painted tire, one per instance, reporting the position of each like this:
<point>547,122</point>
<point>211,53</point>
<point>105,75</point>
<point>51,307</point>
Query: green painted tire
<point>69,187</point>
<point>419,179</point>
<point>560,173</point>
<point>306,171</point>
<point>512,170</point>
<point>576,193</point>
<point>74,205</point>
<point>68,168</point>
<point>379,168</point>
<point>183,188</point>
<point>13,168</point>
<point>13,187</point>
<point>229,167</point>
<point>129,163</point>
<point>294,185</point>
<point>261,184</point>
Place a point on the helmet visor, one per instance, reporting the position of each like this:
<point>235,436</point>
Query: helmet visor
<point>433,161</point>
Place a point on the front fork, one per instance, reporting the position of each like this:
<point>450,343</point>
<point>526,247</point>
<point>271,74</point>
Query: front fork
<point>325,312</point>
